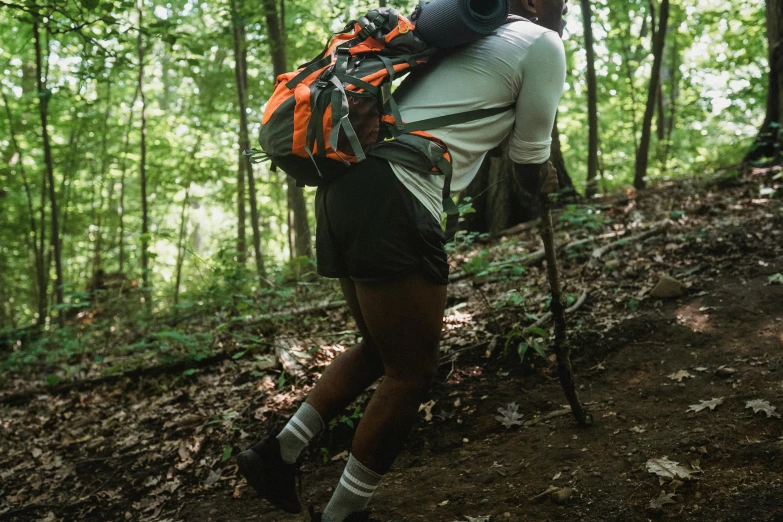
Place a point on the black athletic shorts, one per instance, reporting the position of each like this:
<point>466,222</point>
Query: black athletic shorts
<point>371,228</point>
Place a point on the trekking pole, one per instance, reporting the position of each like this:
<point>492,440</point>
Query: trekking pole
<point>562,347</point>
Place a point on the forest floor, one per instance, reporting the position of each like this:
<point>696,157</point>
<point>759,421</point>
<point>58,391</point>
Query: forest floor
<point>158,447</point>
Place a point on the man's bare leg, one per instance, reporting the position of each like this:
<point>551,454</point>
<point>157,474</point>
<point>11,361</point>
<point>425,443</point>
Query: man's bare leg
<point>405,318</point>
<point>351,372</point>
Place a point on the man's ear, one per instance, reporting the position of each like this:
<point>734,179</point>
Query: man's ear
<point>530,5</point>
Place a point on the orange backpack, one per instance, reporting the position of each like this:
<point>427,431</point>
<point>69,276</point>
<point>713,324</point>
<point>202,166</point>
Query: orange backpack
<point>336,109</point>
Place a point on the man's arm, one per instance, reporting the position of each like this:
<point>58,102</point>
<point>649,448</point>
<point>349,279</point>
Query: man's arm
<point>543,77</point>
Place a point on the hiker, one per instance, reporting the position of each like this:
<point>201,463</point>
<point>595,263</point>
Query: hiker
<point>379,232</point>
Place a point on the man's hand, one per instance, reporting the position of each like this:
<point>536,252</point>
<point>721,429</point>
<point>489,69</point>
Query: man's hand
<point>550,185</point>
<point>538,179</point>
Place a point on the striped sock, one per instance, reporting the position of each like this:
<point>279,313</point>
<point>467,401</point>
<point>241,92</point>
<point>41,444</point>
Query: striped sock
<point>300,430</point>
<point>353,493</point>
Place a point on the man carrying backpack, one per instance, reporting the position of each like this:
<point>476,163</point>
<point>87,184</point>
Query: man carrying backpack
<point>378,231</point>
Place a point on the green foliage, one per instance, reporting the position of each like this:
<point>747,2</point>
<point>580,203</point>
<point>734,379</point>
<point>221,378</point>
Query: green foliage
<point>583,217</point>
<point>714,65</point>
<point>349,420</point>
<point>523,340</point>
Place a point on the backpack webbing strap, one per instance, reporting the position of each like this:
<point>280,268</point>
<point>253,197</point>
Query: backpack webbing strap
<point>307,71</point>
<point>453,119</point>
<point>340,111</point>
<point>357,82</point>
<point>395,110</point>
<point>449,207</point>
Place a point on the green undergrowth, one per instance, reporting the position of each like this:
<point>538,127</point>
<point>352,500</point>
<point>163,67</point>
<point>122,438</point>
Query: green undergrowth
<point>110,335</point>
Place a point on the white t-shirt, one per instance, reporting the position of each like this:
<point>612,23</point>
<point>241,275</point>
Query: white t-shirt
<point>522,65</point>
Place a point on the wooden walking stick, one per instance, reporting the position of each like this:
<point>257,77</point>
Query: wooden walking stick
<point>562,347</point>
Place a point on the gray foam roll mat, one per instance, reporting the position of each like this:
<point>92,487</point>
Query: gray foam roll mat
<point>449,23</point>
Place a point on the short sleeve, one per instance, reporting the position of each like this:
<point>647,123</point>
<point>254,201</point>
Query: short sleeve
<point>543,77</point>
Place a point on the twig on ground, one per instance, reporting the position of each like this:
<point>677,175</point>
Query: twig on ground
<point>576,306</point>
<point>547,416</point>
<point>656,229</point>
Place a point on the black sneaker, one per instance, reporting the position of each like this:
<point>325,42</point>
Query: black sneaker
<point>273,479</point>
<point>362,516</point>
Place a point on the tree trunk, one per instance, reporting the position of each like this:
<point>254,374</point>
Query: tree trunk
<point>97,260</point>
<point>629,73</point>
<point>567,190</point>
<point>642,155</point>
<point>674,90</point>
<point>299,241</point>
<point>121,203</point>
<point>240,70</point>
<point>498,201</point>
<point>145,235</point>
<point>180,246</point>
<point>43,106</point>
<point>592,102</point>
<point>40,277</point>
<point>769,141</point>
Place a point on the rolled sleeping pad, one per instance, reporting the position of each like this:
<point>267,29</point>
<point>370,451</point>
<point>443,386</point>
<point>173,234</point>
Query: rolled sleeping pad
<point>449,23</point>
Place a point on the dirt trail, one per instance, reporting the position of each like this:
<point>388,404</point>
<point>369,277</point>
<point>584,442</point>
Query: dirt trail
<point>464,463</point>
<point>158,447</point>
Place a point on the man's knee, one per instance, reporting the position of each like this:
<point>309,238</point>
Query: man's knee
<point>419,375</point>
<point>369,350</point>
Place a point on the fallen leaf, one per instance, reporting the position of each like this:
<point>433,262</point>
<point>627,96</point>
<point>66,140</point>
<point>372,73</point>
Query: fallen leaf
<point>561,495</point>
<point>637,429</point>
<point>680,375</point>
<point>509,416</point>
<point>725,371</point>
<point>427,409</point>
<point>711,404</point>
<point>668,469</point>
<point>341,456</point>
<point>214,476</point>
<point>762,405</point>
<point>663,499</point>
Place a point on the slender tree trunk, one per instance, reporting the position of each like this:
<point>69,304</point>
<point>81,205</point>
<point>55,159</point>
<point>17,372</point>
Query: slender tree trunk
<point>145,269</point>
<point>44,293</point>
<point>674,89</point>
<point>299,241</point>
<point>43,103</point>
<point>661,117</point>
<point>769,141</point>
<point>181,245</point>
<point>97,261</point>
<point>241,212</point>
<point>121,202</point>
<point>642,156</point>
<point>775,35</point>
<point>240,70</point>
<point>634,125</point>
<point>592,102</point>
<point>40,277</point>
<point>567,190</point>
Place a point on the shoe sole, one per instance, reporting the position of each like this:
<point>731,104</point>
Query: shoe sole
<point>250,466</point>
